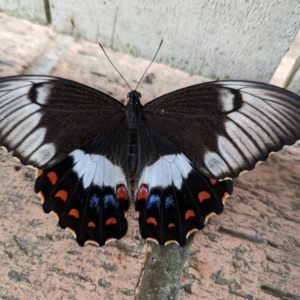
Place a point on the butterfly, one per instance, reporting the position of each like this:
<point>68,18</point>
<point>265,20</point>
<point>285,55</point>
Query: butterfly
<point>175,157</point>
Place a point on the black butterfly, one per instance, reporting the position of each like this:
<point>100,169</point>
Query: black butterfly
<point>174,156</point>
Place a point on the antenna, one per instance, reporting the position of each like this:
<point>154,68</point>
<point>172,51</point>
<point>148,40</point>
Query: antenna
<point>115,67</point>
<point>150,64</point>
<point>144,72</point>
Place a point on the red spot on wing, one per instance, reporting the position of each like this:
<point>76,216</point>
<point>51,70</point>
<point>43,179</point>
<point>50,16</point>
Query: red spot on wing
<point>111,221</point>
<point>91,224</point>
<point>203,196</point>
<point>74,213</point>
<point>212,181</point>
<point>189,214</point>
<point>39,172</point>
<point>52,177</point>
<point>143,192</point>
<point>122,192</point>
<point>63,195</point>
<point>151,220</point>
<point>170,225</point>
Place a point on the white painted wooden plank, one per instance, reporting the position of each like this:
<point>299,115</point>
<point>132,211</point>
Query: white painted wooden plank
<point>284,73</point>
<point>217,39</point>
<point>29,9</point>
<point>292,81</point>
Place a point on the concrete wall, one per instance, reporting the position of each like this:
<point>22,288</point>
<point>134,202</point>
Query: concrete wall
<point>217,39</point>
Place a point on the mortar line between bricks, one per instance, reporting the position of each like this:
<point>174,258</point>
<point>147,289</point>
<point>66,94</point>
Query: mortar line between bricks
<point>141,274</point>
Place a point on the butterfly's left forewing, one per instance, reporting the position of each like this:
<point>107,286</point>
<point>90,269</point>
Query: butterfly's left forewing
<point>42,118</point>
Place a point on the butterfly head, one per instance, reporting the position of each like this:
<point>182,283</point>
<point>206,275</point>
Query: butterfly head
<point>134,97</point>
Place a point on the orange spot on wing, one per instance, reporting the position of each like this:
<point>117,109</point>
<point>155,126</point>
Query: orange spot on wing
<point>151,220</point>
<point>122,192</point>
<point>63,195</point>
<point>203,196</point>
<point>39,172</point>
<point>74,213</point>
<point>111,221</point>
<point>143,192</point>
<point>212,181</point>
<point>189,214</point>
<point>171,225</point>
<point>52,177</point>
<point>91,224</point>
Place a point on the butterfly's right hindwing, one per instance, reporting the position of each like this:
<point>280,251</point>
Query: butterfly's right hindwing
<point>173,198</point>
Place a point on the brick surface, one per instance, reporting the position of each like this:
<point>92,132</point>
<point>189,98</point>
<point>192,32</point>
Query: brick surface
<point>250,251</point>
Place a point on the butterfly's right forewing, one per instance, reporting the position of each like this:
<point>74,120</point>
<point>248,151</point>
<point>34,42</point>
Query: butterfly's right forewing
<point>226,127</point>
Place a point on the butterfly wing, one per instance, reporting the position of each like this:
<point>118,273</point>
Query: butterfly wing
<point>88,190</point>
<point>173,198</point>
<point>74,134</point>
<point>44,118</point>
<point>226,127</point>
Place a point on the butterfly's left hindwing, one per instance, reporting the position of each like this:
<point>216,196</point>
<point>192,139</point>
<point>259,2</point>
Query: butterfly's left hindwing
<point>88,194</point>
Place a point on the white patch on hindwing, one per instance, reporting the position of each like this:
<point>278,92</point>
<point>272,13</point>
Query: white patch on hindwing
<point>167,170</point>
<point>96,169</point>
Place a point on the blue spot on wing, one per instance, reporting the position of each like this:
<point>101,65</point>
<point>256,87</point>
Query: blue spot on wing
<point>95,202</point>
<point>169,201</point>
<point>154,200</point>
<point>110,200</point>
